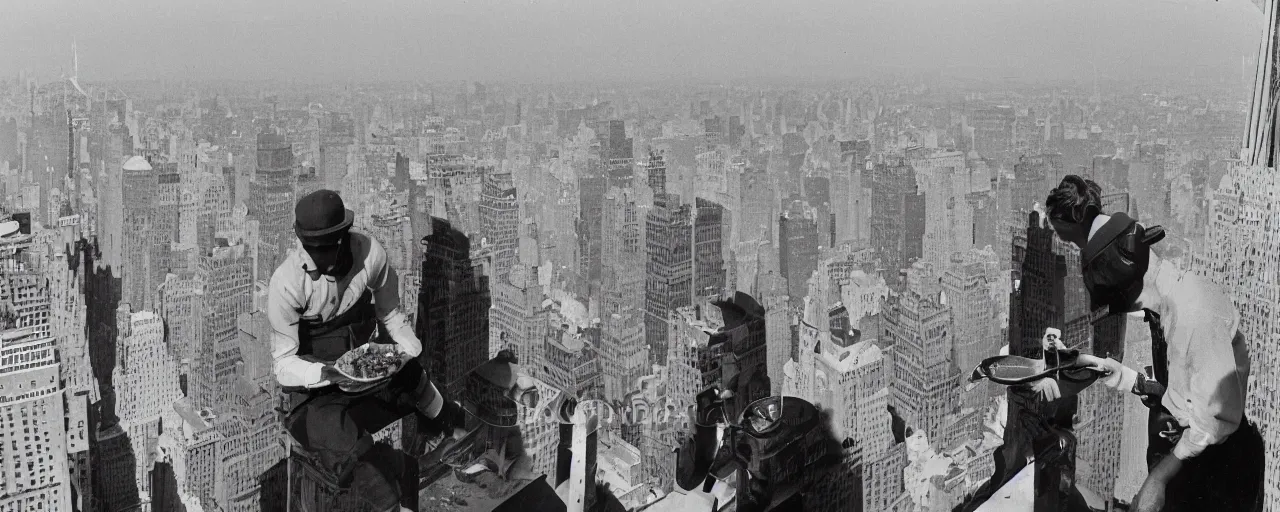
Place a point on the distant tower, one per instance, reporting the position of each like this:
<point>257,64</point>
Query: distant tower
<point>1259,144</point>
<point>71,160</point>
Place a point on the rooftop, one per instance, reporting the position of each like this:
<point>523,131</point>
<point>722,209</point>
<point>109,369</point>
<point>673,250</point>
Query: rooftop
<point>857,355</point>
<point>136,163</point>
<point>198,420</point>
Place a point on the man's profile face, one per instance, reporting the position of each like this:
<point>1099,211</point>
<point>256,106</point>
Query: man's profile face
<point>1070,232</point>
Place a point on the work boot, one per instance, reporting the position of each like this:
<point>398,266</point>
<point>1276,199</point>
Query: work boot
<point>450,424</point>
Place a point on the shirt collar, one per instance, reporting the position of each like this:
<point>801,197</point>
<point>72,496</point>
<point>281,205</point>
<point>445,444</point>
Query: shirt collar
<point>1098,222</point>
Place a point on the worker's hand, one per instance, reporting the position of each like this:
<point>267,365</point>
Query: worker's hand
<point>1047,389</point>
<point>1149,390</point>
<point>1116,375</point>
<point>334,377</point>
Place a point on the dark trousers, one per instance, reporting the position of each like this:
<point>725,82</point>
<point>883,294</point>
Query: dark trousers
<point>1225,476</point>
<point>336,429</point>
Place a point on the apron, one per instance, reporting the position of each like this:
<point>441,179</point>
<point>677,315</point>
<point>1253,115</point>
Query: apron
<point>326,342</point>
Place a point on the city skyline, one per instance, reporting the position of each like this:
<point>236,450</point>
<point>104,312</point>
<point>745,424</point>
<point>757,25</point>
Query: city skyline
<point>669,252</point>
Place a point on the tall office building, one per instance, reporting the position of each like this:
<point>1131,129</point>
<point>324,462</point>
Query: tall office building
<point>669,269</point>
<point>518,318</point>
<point>147,386</point>
<point>945,181</point>
<point>773,288</point>
<point>799,243</point>
<point>969,283</point>
<point>591,191</point>
<point>500,221</point>
<point>850,201</point>
<point>919,328</point>
<point>616,151</point>
<point>227,274</point>
<point>271,200</point>
<point>1237,254</point>
<point>33,438</point>
<point>759,207</point>
<point>336,139</point>
<point>249,445</point>
<point>164,230</point>
<point>851,380</point>
<point>897,218</point>
<point>139,202</point>
<point>64,268</point>
<point>623,309</point>
<point>453,306</point>
<point>392,229</point>
<point>709,238</point>
<point>656,172</point>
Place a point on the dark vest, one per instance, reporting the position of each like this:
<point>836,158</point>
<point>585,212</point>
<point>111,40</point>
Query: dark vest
<point>327,341</point>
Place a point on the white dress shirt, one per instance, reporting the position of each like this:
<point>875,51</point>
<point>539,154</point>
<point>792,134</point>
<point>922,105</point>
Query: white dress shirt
<point>1208,359</point>
<point>297,291</point>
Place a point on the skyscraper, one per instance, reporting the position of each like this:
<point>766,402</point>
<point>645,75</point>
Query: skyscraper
<point>709,264</point>
<point>669,279</point>
<point>968,288</point>
<point>623,309</point>
<point>164,231</point>
<point>656,168</point>
<point>453,306</point>
<point>228,277</point>
<point>272,200</point>
<point>139,193</point>
<point>500,221</point>
<point>919,328</point>
<point>33,437</point>
<point>897,218</point>
<point>798,248</point>
<point>1238,254</point>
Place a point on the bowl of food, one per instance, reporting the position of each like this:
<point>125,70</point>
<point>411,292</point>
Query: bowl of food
<point>371,362</point>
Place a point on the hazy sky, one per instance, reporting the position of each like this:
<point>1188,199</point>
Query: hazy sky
<point>541,40</point>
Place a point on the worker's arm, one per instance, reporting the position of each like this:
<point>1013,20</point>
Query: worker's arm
<point>284,312</point>
<point>385,285</point>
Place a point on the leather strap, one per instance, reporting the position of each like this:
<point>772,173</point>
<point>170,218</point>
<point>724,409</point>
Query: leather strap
<point>1159,346</point>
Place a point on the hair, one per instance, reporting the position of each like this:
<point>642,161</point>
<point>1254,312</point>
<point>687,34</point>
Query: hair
<point>1076,200</point>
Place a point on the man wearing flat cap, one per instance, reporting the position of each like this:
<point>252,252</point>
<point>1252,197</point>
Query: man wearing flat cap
<point>328,297</point>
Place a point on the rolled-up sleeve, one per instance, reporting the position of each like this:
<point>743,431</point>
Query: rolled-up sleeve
<point>385,285</point>
<point>1193,442</point>
<point>284,313</point>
